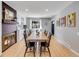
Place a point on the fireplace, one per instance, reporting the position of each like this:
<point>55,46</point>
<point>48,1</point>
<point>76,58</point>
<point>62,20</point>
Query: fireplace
<point>8,40</point>
<point>9,33</point>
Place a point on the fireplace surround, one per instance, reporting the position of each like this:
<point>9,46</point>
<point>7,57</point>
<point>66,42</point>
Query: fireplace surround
<point>8,40</point>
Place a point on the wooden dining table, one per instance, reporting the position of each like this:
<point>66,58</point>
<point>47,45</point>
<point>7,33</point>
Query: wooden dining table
<point>41,37</point>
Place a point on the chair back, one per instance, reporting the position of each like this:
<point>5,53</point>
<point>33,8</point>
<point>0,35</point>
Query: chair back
<point>29,33</point>
<point>25,36</point>
<point>45,32</point>
<point>49,37</point>
<point>25,40</point>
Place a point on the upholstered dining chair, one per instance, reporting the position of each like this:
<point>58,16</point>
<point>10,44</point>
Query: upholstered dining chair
<point>46,44</point>
<point>28,44</point>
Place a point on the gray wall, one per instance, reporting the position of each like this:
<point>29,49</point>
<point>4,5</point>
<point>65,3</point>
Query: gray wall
<point>8,28</point>
<point>68,35</point>
<point>46,23</point>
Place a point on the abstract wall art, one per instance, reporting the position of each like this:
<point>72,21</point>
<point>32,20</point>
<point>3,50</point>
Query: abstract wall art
<point>63,21</point>
<point>71,20</point>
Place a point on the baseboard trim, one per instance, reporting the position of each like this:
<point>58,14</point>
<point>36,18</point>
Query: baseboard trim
<point>74,52</point>
<point>68,48</point>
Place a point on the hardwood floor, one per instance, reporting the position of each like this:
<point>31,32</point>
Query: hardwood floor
<point>56,49</point>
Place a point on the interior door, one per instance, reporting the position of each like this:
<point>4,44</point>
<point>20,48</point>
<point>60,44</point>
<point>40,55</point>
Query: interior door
<point>52,28</point>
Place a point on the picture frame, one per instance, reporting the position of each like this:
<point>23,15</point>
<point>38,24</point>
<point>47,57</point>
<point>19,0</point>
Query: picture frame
<point>63,21</point>
<point>35,24</point>
<point>8,14</point>
<point>71,20</point>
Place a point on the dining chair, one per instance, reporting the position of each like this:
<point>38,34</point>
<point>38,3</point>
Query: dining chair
<point>29,33</point>
<point>28,44</point>
<point>46,44</point>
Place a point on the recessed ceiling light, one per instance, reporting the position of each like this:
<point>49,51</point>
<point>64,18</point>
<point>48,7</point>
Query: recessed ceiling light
<point>26,9</point>
<point>46,9</point>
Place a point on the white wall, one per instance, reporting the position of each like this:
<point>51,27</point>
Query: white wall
<point>46,24</point>
<point>68,35</point>
<point>0,28</point>
<point>21,19</point>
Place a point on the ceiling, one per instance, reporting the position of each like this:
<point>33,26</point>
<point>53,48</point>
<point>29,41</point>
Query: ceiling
<point>37,8</point>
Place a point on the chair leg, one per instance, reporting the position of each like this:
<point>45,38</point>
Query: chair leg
<point>40,50</point>
<point>25,51</point>
<point>34,51</point>
<point>49,51</point>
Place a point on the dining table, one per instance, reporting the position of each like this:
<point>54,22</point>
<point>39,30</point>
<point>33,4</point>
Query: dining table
<point>37,38</point>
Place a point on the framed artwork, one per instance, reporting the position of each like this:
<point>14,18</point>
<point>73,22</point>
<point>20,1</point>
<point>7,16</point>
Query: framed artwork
<point>35,24</point>
<point>63,21</point>
<point>71,20</point>
<point>8,14</point>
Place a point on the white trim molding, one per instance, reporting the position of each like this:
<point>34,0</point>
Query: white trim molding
<point>68,47</point>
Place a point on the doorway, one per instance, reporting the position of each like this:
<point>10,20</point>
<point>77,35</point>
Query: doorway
<point>52,27</point>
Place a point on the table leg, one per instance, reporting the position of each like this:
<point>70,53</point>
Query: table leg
<point>38,49</point>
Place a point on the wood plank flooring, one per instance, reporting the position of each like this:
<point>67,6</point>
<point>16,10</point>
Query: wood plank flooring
<point>57,50</point>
